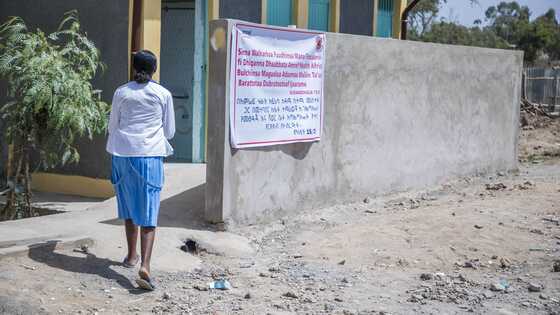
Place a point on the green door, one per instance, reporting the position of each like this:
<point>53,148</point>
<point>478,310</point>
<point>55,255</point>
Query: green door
<point>279,12</point>
<point>319,12</point>
<point>199,81</point>
<point>182,72</point>
<point>177,71</point>
<point>385,18</point>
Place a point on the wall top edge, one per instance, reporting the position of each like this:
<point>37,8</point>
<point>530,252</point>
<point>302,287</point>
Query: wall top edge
<point>473,49</point>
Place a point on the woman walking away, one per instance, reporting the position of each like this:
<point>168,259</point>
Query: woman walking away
<point>142,120</point>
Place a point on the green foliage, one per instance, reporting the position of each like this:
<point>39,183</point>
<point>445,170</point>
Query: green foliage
<point>52,99</point>
<point>424,15</point>
<point>508,25</point>
<point>547,34</point>
<point>536,38</point>
<point>451,33</point>
<point>509,20</point>
<point>52,102</point>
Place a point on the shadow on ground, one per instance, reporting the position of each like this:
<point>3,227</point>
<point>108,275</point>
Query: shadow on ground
<point>184,210</point>
<point>88,264</point>
<point>43,197</point>
<point>48,199</point>
<point>16,306</point>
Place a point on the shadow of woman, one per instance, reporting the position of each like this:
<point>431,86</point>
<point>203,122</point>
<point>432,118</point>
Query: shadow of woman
<point>90,264</point>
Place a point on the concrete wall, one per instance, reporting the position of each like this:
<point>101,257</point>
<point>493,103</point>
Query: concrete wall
<point>398,115</point>
<point>106,23</point>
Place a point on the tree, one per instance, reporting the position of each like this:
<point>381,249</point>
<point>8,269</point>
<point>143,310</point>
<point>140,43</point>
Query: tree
<point>52,101</point>
<point>508,26</point>
<point>540,37</point>
<point>424,15</point>
<point>451,33</point>
<point>509,20</point>
<point>547,33</point>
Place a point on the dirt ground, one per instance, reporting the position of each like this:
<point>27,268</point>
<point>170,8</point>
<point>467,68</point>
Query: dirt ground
<point>480,245</point>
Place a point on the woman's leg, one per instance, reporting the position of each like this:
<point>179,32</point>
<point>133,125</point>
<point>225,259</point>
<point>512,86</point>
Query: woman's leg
<point>131,240</point>
<point>147,236</point>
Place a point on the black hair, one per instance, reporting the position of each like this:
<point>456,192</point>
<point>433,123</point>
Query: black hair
<point>142,77</point>
<point>145,64</point>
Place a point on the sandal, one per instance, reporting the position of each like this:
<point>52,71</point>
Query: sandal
<point>127,264</point>
<point>145,282</point>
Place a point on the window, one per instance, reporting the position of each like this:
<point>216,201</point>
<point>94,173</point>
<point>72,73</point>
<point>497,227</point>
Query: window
<point>319,12</point>
<point>246,10</point>
<point>356,17</point>
<point>385,18</point>
<point>279,12</point>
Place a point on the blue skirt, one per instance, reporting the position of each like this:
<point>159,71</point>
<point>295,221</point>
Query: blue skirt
<point>138,182</point>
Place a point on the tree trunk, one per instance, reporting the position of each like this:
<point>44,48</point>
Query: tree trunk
<point>28,194</point>
<point>6,211</point>
<point>16,204</point>
<point>5,214</point>
<point>13,205</point>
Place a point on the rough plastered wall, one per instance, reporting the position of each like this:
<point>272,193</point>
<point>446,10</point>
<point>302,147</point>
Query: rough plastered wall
<point>106,23</point>
<point>398,115</point>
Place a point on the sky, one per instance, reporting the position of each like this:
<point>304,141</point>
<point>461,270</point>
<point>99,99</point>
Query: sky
<point>463,12</point>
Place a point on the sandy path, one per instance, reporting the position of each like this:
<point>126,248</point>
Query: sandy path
<point>481,249</point>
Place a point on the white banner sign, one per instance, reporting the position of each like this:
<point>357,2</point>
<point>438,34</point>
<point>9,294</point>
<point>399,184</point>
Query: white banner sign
<point>276,86</point>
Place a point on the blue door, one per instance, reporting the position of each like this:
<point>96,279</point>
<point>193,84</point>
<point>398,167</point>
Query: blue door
<point>385,18</point>
<point>319,12</point>
<point>279,12</point>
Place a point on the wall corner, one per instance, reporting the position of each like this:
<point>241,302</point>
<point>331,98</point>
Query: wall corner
<point>213,10</point>
<point>399,7</point>
<point>335,16</point>
<point>264,8</point>
<point>301,13</point>
<point>151,29</point>
<point>218,152</point>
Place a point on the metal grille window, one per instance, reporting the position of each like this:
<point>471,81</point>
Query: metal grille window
<point>356,17</point>
<point>542,86</point>
<point>385,18</point>
<point>246,10</point>
<point>319,11</point>
<point>279,12</point>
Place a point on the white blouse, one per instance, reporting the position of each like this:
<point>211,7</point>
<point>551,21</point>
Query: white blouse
<point>142,120</point>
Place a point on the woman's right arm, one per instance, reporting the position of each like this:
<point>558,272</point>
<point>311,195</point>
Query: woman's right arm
<point>168,117</point>
<point>114,118</point>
